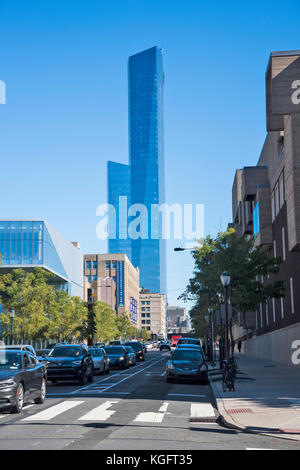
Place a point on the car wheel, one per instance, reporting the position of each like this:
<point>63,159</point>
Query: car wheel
<point>17,408</point>
<point>41,398</point>
<point>107,371</point>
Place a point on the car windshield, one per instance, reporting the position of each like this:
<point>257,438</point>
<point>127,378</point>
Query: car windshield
<point>114,350</point>
<point>71,351</point>
<point>95,352</point>
<point>10,360</point>
<point>129,348</point>
<point>189,341</point>
<point>184,355</point>
<point>136,346</point>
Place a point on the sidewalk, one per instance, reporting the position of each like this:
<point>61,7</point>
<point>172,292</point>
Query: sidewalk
<point>266,397</point>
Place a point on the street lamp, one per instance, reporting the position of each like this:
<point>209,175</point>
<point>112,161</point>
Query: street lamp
<point>225,279</point>
<point>12,315</point>
<point>210,311</point>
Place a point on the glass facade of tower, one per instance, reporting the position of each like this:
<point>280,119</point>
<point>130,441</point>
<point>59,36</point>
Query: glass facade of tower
<point>146,163</point>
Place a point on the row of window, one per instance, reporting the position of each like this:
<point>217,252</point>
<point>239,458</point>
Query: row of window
<point>277,197</point>
<point>146,322</point>
<point>94,264</point>
<point>145,302</point>
<point>272,312</point>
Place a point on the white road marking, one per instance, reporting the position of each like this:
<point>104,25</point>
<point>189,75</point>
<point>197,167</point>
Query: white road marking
<point>164,373</point>
<point>256,448</point>
<point>101,413</point>
<point>53,411</point>
<point>202,410</point>
<point>185,395</point>
<point>164,407</point>
<point>150,417</point>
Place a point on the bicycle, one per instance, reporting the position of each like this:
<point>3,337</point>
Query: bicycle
<point>233,364</point>
<point>228,376</point>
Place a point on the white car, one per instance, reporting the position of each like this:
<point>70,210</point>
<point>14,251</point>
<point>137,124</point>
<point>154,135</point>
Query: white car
<point>149,346</point>
<point>100,360</point>
<point>20,347</point>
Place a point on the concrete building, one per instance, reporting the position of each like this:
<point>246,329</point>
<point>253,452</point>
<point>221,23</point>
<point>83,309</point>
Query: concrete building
<point>177,320</point>
<point>152,307</point>
<point>266,203</point>
<point>28,244</point>
<point>113,279</point>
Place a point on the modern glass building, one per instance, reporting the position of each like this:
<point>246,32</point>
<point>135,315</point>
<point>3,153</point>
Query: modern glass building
<point>28,244</point>
<point>146,165</point>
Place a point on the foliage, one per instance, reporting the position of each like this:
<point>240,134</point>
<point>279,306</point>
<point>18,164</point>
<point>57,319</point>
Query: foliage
<point>245,264</point>
<point>105,322</point>
<point>124,326</point>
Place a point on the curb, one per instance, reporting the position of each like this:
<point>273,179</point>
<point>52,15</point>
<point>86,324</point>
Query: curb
<point>227,420</point>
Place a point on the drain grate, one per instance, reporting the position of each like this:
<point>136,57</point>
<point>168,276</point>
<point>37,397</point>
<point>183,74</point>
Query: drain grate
<point>239,410</point>
<point>204,420</point>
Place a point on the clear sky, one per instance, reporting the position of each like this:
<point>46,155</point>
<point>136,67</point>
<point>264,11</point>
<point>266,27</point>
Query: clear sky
<point>65,67</point>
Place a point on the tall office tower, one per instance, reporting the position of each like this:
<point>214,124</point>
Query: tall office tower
<point>146,167</point>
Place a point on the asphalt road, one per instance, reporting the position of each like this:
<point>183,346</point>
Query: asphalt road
<point>134,409</point>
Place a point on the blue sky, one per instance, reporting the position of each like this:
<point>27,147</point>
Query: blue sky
<point>65,67</point>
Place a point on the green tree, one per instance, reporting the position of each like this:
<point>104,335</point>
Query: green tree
<point>124,326</point>
<point>105,321</point>
<point>246,266</point>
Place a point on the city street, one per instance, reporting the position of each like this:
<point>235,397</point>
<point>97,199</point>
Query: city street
<point>133,409</point>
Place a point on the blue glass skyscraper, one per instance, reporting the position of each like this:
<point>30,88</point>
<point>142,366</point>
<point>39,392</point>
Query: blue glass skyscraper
<point>145,173</point>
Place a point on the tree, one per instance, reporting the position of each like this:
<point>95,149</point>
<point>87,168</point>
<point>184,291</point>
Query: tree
<point>105,321</point>
<point>124,326</point>
<point>246,266</point>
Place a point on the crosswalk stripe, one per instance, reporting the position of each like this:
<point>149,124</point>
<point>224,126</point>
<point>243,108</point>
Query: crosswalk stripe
<point>202,410</point>
<point>53,411</point>
<point>164,407</point>
<point>100,413</point>
<point>150,417</point>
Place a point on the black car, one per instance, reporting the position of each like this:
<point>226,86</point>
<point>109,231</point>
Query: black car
<point>165,346</point>
<point>118,356</point>
<point>138,349</point>
<point>22,377</point>
<point>70,362</point>
<point>188,364</point>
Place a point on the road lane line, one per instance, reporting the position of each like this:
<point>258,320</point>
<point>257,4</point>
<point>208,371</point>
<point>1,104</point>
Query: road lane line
<point>100,413</point>
<point>164,407</point>
<point>185,395</point>
<point>53,411</point>
<point>125,378</point>
<point>202,410</point>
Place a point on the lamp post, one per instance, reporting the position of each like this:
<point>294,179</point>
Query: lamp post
<point>210,311</point>
<point>225,279</point>
<point>11,315</point>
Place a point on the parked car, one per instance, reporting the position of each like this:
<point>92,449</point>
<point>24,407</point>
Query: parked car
<point>131,355</point>
<point>149,346</point>
<point>187,363</point>
<point>118,356</point>
<point>100,359</point>
<point>138,349</point>
<point>70,362</point>
<point>100,345</point>
<point>116,342</point>
<point>22,377</point>
<point>189,341</point>
<point>164,346</point>
<point>41,354</point>
<point>20,347</point>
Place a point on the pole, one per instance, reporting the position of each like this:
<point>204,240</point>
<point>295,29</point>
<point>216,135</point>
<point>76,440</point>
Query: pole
<point>226,323</point>
<point>212,337</point>
<point>11,330</point>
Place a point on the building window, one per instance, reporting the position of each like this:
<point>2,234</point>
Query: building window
<point>148,315</point>
<point>292,295</point>
<point>114,265</point>
<point>143,309</point>
<point>148,309</point>
<point>274,310</point>
<point>88,264</point>
<point>282,308</point>
<point>89,278</point>
<point>256,220</point>
<point>95,264</point>
<point>107,264</point>
<point>276,199</point>
<point>143,315</point>
<point>143,302</point>
<point>95,278</point>
<point>281,191</point>
<point>283,245</point>
<point>273,206</point>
